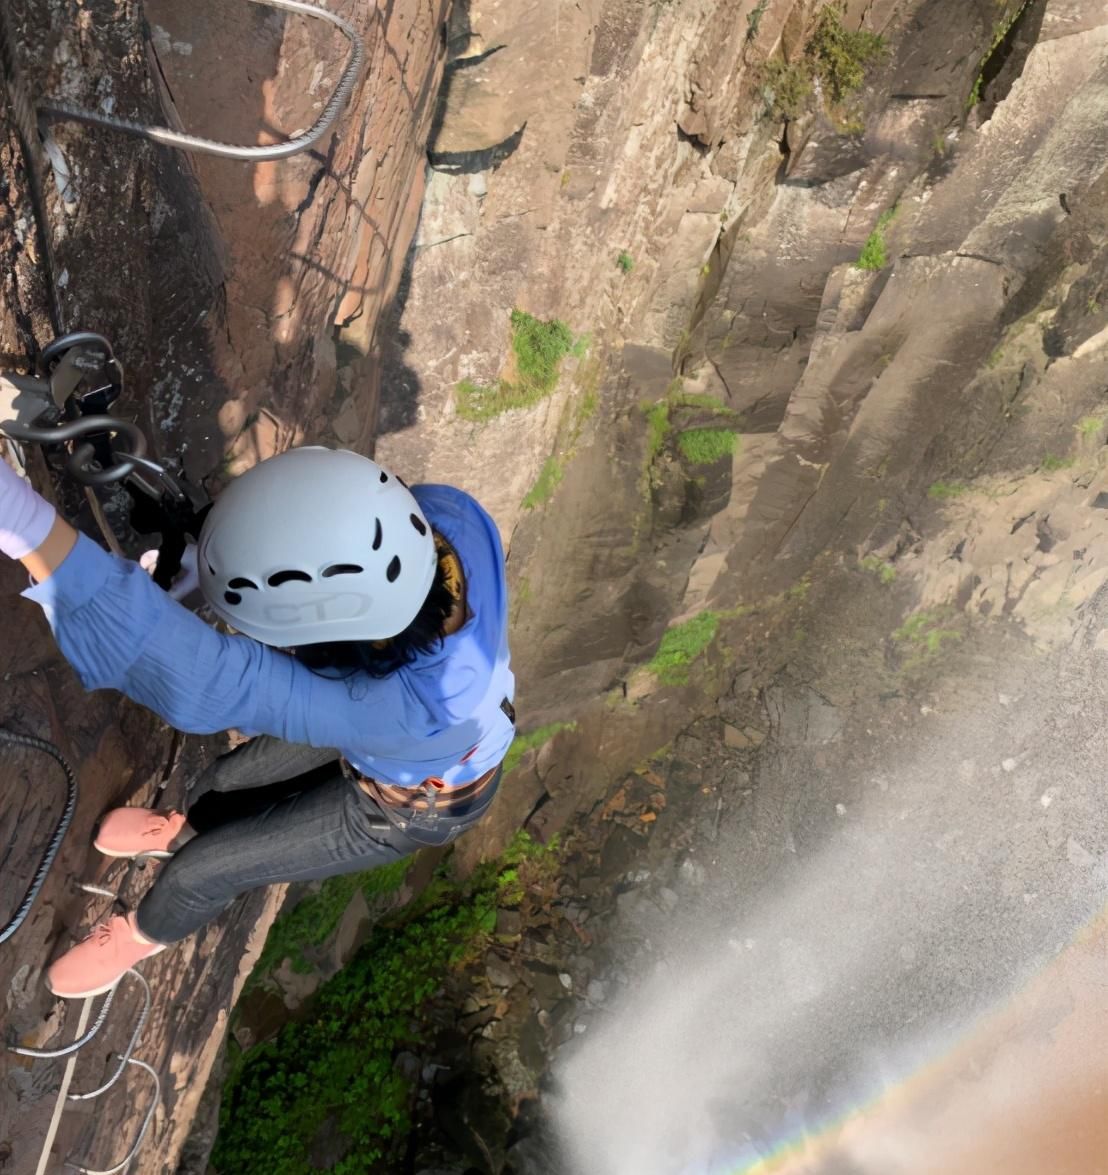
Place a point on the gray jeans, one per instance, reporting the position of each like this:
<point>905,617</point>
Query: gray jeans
<point>270,812</point>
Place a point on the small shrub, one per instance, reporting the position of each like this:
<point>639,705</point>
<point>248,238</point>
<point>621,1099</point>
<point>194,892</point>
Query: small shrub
<point>625,262</point>
<point>786,88</point>
<point>874,255</point>
<point>840,55</point>
<point>705,446</point>
<point>539,349</point>
<point>681,646</point>
<point>922,633</point>
<point>885,572</point>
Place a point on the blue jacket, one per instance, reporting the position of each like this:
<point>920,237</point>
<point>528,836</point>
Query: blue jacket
<point>120,631</point>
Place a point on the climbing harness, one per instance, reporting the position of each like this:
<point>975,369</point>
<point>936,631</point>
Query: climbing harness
<point>65,407</point>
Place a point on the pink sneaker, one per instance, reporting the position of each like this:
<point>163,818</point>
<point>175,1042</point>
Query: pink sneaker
<point>99,961</point>
<point>133,832</point>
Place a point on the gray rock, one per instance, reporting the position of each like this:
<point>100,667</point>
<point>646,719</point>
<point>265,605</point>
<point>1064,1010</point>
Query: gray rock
<point>668,899</point>
<point>597,992</point>
<point>499,973</point>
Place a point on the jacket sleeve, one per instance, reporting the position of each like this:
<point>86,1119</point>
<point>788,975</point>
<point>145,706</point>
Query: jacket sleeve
<point>120,631</point>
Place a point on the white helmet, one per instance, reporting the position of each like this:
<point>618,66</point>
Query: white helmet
<point>316,545</point>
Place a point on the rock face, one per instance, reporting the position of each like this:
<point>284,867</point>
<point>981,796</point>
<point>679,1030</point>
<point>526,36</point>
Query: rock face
<point>223,287</point>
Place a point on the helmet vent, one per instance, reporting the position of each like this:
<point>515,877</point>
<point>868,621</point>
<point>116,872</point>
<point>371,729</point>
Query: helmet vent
<point>418,523</point>
<point>377,536</point>
<point>280,577</point>
<point>243,583</point>
<point>384,477</point>
<point>342,569</point>
<point>393,570</point>
<point>232,597</point>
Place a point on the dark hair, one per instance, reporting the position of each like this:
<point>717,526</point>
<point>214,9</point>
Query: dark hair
<point>425,634</point>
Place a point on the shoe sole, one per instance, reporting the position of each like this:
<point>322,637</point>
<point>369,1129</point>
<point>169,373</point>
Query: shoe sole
<point>158,854</point>
<point>94,991</point>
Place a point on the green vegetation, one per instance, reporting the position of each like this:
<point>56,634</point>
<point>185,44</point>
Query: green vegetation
<point>532,741</point>
<point>923,634</point>
<point>704,446</point>
<point>754,19</point>
<point>885,572</point>
<point>657,420</point>
<point>312,920</point>
<point>840,55</point>
<point>874,255</point>
<point>800,589</point>
<point>1000,30</point>
<point>1052,463</point>
<point>681,646</point>
<point>1089,426</point>
<point>549,477</point>
<point>835,56</point>
<point>940,490</point>
<point>332,1074</point>
<point>625,262</point>
<point>786,88</point>
<point>539,348</point>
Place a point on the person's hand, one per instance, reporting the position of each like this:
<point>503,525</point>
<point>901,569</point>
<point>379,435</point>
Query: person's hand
<point>25,517</point>
<point>186,581</point>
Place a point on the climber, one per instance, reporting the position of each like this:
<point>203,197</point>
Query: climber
<point>370,665</point>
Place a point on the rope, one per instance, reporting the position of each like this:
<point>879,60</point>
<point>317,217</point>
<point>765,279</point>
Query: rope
<point>55,842</point>
<point>55,108</point>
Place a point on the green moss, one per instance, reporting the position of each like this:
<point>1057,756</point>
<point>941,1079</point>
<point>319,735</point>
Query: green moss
<point>840,56</point>
<point>874,254</point>
<point>885,572</point>
<point>313,919</point>
<point>657,421</point>
<point>800,589</point>
<point>531,741</point>
<point>1089,426</point>
<point>539,349</point>
<point>332,1073</point>
<point>1052,463</point>
<point>681,646</point>
<point>941,490</point>
<point>705,446</point>
<point>625,262</point>
<point>543,489</point>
